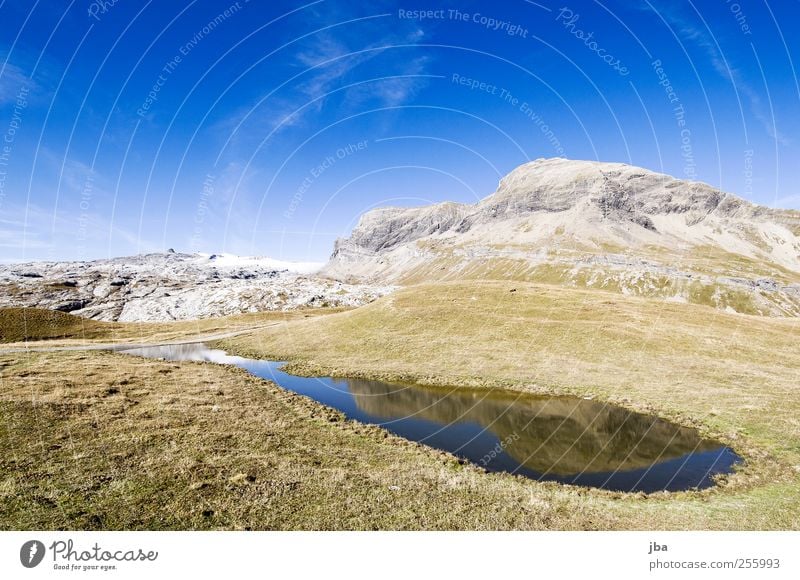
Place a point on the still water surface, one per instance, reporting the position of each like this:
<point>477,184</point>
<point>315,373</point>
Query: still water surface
<point>562,439</point>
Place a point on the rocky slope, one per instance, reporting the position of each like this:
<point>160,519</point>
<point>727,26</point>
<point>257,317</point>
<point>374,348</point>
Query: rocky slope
<point>174,286</point>
<point>590,224</point>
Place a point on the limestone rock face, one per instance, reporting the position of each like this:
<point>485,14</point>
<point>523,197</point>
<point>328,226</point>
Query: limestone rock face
<point>622,227</point>
<point>559,184</point>
<point>385,228</point>
<point>174,286</point>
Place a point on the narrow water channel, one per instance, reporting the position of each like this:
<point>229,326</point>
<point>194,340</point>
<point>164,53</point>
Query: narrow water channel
<point>564,439</point>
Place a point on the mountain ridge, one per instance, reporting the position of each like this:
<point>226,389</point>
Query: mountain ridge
<point>564,213</point>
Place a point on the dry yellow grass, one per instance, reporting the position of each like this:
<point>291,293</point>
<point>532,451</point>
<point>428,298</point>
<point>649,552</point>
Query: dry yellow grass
<point>732,376</point>
<point>569,265</point>
<point>21,326</point>
<point>109,441</point>
<point>101,440</point>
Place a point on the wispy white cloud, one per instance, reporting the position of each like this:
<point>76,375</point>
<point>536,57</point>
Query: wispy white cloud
<point>326,65</point>
<point>394,90</point>
<point>12,80</point>
<point>333,59</point>
<point>707,42</point>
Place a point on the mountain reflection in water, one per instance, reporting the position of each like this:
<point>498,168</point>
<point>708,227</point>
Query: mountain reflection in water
<point>563,439</point>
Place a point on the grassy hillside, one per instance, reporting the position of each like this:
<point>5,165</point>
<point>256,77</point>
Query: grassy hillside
<point>734,373</point>
<point>216,448</point>
<point>129,443</point>
<point>581,267</point>
<point>107,441</point>
<point>733,376</point>
<point>19,325</point>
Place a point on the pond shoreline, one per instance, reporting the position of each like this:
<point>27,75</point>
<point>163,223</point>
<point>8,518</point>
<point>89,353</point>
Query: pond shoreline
<point>757,462</point>
<point>565,437</point>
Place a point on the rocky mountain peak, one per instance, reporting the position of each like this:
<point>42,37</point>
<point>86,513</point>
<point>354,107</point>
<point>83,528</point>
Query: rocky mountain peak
<point>589,222</point>
<point>619,191</point>
<point>614,192</point>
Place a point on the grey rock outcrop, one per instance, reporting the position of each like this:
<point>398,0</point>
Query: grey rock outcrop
<point>174,286</point>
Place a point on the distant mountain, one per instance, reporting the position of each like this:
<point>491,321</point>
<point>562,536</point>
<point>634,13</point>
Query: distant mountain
<point>589,224</point>
<point>174,286</point>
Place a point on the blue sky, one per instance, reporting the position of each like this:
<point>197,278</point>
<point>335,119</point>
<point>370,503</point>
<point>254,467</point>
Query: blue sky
<point>267,128</point>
